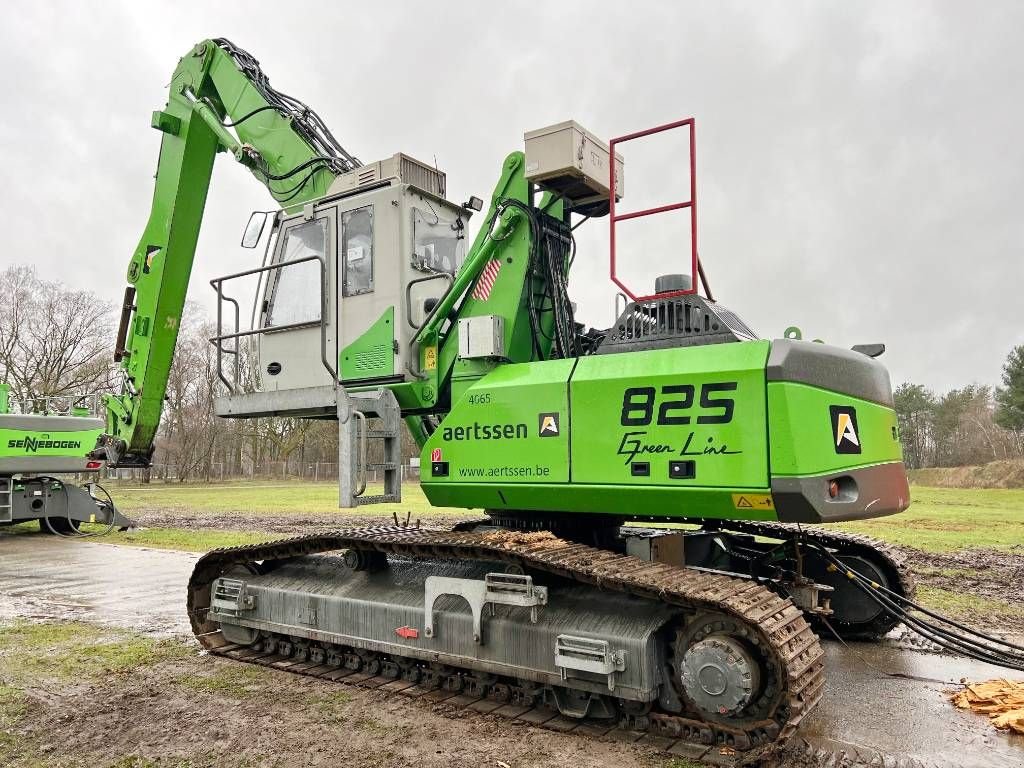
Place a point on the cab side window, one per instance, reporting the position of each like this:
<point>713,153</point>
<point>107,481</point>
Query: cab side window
<point>357,251</point>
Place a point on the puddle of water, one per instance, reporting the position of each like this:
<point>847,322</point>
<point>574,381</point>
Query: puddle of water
<point>908,714</point>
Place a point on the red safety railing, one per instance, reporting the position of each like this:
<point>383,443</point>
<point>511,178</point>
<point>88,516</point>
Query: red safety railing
<point>691,204</point>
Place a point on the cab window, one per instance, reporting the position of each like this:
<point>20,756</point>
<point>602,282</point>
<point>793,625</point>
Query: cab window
<point>297,288</point>
<point>357,251</point>
<point>438,243</point>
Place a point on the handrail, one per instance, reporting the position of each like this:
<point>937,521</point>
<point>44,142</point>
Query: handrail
<point>361,431</point>
<point>691,204</point>
<point>58,405</point>
<point>220,346</point>
<point>218,285</point>
<point>408,294</point>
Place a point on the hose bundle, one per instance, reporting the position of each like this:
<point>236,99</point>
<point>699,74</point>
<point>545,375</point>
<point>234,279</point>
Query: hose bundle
<point>941,630</point>
<point>310,127</point>
<point>552,248</point>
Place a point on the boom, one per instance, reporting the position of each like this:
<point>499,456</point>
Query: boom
<point>220,100</point>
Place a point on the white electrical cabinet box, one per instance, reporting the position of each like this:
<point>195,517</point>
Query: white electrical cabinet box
<point>481,336</point>
<point>570,160</point>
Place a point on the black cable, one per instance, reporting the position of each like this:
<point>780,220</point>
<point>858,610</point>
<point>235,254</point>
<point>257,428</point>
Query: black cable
<point>979,651</point>
<point>944,619</point>
<point>245,117</point>
<point>324,161</point>
<point>294,190</point>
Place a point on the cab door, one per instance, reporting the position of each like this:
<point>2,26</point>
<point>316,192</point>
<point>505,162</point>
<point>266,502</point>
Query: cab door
<point>298,301</point>
<point>369,289</point>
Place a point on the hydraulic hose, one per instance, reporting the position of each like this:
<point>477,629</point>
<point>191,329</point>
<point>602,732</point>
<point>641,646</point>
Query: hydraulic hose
<point>73,532</point>
<point>961,639</point>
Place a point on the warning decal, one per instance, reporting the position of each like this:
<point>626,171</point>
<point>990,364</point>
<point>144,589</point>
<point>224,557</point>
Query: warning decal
<point>761,501</point>
<point>486,281</point>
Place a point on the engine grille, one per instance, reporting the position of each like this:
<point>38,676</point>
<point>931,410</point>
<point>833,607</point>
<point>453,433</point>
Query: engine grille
<point>680,321</point>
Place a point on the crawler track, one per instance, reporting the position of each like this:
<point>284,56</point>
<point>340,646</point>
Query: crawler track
<point>779,629</point>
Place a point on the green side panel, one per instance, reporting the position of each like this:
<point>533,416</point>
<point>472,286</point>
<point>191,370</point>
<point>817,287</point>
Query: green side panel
<point>704,405</point>
<point>803,441</point>
<point>5,391</point>
<point>372,355</point>
<point>20,443</point>
<point>660,501</point>
<point>493,435</point>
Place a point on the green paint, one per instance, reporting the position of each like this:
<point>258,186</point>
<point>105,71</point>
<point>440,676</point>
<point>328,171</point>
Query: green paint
<point>28,444</point>
<point>668,384</point>
<point>498,457</point>
<point>372,355</point>
<point>660,501</point>
<point>802,441</point>
<point>493,432</point>
<point>623,420</point>
<point>5,393</point>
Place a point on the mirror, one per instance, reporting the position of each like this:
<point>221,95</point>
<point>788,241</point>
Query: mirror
<point>254,229</point>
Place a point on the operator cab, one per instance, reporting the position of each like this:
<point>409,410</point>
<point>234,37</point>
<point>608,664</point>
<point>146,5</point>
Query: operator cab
<point>349,279</point>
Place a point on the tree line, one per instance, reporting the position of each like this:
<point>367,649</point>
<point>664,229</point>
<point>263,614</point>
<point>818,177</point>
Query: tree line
<point>58,341</point>
<point>974,424</point>
<point>55,341</point>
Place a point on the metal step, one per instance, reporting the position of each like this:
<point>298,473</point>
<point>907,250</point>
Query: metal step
<point>380,404</point>
<point>6,500</point>
<point>387,498</point>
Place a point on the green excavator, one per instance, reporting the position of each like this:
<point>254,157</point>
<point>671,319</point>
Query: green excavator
<point>42,441</point>
<point>650,549</point>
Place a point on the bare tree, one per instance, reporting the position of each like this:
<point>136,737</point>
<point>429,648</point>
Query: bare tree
<point>53,340</point>
<point>190,432</point>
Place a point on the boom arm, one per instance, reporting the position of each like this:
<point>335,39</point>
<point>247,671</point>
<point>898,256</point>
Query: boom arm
<point>215,89</point>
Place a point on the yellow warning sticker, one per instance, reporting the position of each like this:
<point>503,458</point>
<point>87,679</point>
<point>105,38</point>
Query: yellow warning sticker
<point>430,358</point>
<point>762,501</point>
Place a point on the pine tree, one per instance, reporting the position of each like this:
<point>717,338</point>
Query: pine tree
<point>1010,397</point>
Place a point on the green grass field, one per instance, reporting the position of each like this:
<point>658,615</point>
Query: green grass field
<point>946,519</point>
<point>281,498</point>
<point>939,520</point>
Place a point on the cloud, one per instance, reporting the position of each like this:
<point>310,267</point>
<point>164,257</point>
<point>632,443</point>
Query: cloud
<point>858,165</point>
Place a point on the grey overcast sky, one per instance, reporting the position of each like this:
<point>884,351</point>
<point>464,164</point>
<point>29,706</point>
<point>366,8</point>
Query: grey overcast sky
<point>860,164</point>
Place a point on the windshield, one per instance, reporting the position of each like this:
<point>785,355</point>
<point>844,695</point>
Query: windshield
<point>297,288</point>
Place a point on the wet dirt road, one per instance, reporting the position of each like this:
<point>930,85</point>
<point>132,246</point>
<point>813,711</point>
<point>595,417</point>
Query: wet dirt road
<point>883,705</point>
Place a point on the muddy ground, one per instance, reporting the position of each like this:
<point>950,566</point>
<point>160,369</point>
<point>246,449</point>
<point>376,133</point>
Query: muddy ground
<point>204,712</point>
<point>161,704</point>
<point>286,525</point>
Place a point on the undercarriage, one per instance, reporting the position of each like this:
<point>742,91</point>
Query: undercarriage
<point>685,633</point>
